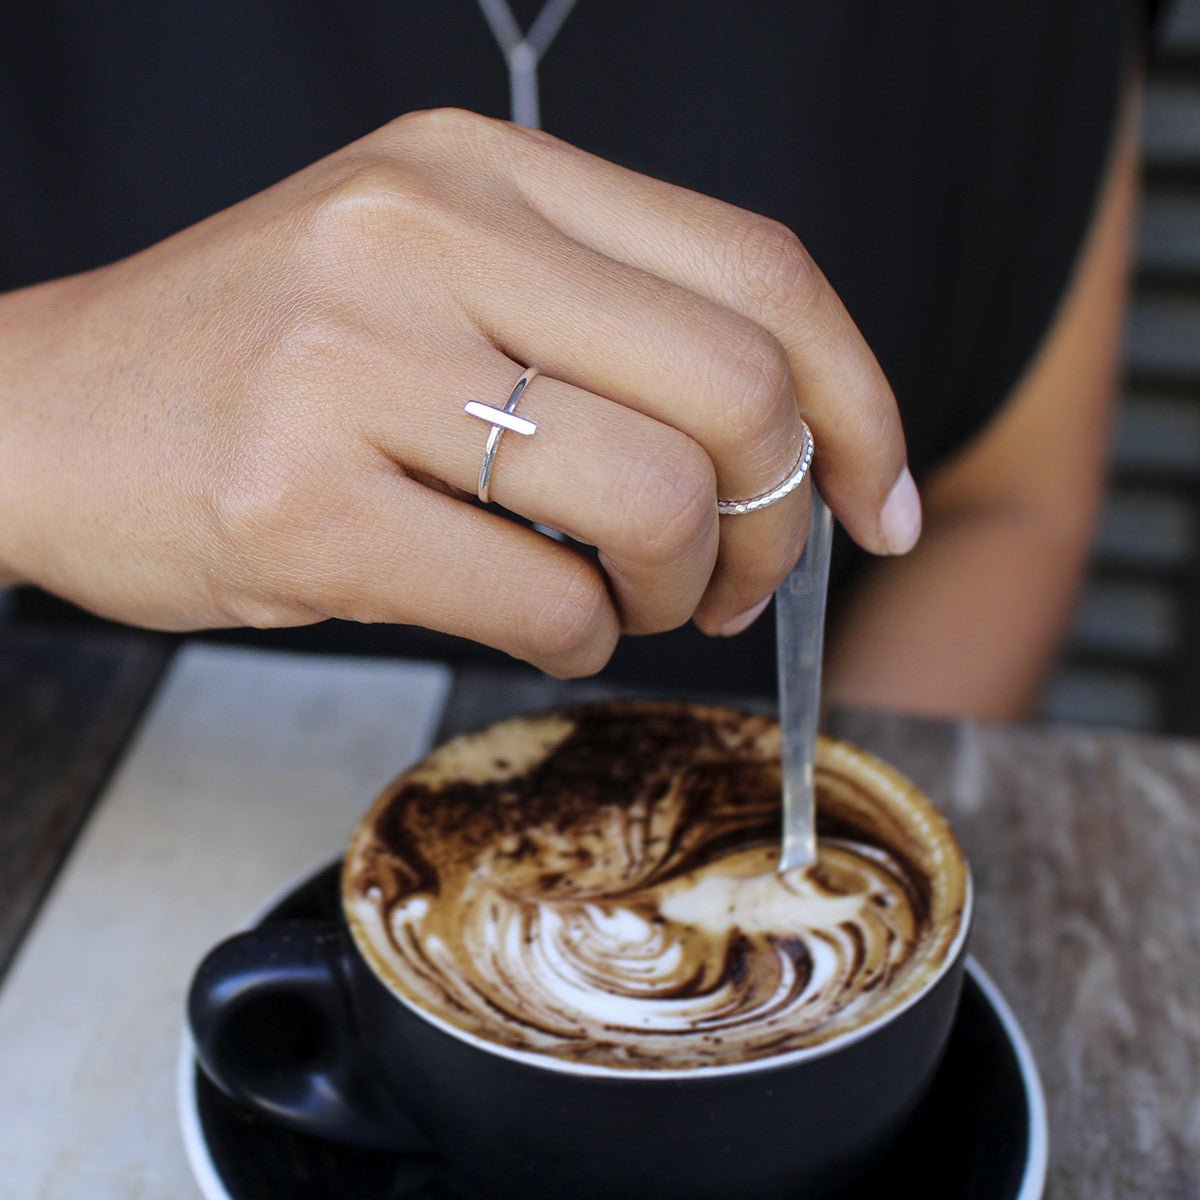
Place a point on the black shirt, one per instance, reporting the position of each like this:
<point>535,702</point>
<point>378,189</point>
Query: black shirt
<point>939,158</point>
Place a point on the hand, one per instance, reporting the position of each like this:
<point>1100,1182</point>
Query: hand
<point>259,421</point>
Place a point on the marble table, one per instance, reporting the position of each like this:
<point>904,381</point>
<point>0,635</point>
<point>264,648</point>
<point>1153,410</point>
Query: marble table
<point>149,800</point>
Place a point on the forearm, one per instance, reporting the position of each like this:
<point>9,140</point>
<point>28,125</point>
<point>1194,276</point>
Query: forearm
<point>967,625</point>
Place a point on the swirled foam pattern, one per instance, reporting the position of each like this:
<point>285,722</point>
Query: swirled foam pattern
<point>598,885</point>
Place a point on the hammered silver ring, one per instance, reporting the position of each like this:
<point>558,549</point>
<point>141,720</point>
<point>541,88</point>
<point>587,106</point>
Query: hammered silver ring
<point>795,477</point>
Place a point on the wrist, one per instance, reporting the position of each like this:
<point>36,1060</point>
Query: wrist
<point>9,452</point>
<point>26,365</point>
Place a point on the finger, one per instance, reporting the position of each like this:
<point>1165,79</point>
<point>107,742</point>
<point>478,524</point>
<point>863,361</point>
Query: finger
<point>640,491</point>
<point>406,554</point>
<point>673,355</point>
<point>759,268</point>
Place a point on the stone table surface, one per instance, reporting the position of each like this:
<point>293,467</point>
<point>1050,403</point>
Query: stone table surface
<point>1085,848</point>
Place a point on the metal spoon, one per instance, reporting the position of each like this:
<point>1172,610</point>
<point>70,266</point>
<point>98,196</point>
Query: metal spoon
<point>800,636</point>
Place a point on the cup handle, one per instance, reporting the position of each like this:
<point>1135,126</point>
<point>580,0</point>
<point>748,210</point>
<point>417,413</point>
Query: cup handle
<point>273,1026</point>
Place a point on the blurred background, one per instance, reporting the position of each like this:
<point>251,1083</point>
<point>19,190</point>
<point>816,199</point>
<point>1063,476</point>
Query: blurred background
<point>1133,658</point>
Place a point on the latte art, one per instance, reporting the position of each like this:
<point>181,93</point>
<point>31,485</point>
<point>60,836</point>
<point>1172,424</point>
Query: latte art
<point>599,885</point>
<point>632,977</point>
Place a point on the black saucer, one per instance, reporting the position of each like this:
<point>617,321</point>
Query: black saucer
<point>980,1133</point>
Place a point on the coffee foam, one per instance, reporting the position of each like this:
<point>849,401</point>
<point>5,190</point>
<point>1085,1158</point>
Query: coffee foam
<point>598,885</point>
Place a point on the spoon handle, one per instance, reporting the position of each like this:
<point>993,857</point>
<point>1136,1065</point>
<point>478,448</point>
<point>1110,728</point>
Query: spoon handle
<point>800,636</point>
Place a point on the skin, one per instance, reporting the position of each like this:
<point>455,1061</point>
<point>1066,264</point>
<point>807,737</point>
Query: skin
<point>969,624</point>
<point>259,420</point>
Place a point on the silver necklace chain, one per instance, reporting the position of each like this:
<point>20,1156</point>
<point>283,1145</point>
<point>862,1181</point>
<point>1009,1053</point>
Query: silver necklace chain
<point>523,51</point>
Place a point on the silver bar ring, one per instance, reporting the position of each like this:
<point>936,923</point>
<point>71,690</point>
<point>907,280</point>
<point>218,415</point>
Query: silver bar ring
<point>500,419</point>
<point>795,477</point>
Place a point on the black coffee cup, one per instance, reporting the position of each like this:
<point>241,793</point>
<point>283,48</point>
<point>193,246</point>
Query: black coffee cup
<point>292,1020</point>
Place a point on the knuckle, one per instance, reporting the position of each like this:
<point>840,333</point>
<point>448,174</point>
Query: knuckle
<point>247,611</point>
<point>276,497</point>
<point>316,348</point>
<point>374,195</point>
<point>318,339</point>
<point>773,264</point>
<point>569,630</point>
<point>454,137</point>
<point>254,501</point>
<point>493,146</point>
<point>752,376</point>
<point>670,504</point>
<point>438,123</point>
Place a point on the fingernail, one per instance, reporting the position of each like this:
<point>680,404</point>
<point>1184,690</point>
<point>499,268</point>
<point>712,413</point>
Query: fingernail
<point>900,520</point>
<point>743,620</point>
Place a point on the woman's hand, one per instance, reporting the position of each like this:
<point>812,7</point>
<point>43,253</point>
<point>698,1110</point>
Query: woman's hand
<point>260,420</point>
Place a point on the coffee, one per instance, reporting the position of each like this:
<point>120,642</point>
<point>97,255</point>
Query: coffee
<point>598,885</point>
